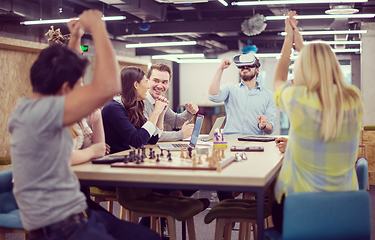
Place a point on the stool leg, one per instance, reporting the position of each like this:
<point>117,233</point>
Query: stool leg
<point>228,231</point>
<point>247,230</point>
<point>255,230</point>
<point>241,233</point>
<point>135,217</point>
<point>191,228</point>
<point>171,223</point>
<point>153,223</point>
<point>123,213</point>
<point>158,227</point>
<point>110,206</point>
<point>219,232</point>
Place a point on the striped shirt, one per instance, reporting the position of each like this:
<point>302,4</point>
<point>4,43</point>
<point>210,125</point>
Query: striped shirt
<point>310,164</point>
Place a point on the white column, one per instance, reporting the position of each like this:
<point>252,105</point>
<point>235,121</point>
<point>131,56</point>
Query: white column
<point>368,73</point>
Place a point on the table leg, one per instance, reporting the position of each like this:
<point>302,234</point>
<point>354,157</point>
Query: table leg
<point>260,214</point>
<point>183,230</point>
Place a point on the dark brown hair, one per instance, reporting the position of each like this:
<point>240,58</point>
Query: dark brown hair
<point>135,108</point>
<point>161,67</point>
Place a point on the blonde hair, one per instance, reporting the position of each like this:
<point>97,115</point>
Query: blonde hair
<point>318,69</point>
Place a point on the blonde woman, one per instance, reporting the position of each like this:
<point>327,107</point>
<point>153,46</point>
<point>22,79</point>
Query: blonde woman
<point>325,119</point>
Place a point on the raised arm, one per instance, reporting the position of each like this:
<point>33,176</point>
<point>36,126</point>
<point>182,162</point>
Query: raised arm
<point>105,84</point>
<point>76,33</point>
<point>282,66</point>
<point>215,83</point>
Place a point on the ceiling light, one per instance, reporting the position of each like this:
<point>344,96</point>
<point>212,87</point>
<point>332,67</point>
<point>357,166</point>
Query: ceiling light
<point>258,3</point>
<point>223,2</point>
<point>113,18</point>
<point>161,44</point>
<point>199,61</point>
<point>336,42</point>
<point>341,9</point>
<point>159,35</point>
<point>169,56</point>
<point>349,50</point>
<point>299,17</point>
<point>329,32</point>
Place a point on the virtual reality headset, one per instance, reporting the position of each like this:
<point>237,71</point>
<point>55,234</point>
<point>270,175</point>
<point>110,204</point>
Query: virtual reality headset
<point>248,59</point>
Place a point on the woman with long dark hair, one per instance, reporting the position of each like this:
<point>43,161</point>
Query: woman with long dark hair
<point>123,119</point>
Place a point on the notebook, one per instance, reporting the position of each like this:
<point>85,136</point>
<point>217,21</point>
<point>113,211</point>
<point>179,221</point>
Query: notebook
<point>218,124</point>
<point>193,140</point>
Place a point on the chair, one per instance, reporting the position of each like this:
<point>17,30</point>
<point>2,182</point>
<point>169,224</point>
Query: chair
<point>325,216</point>
<point>142,202</point>
<point>362,173</point>
<point>10,221</point>
<point>238,210</point>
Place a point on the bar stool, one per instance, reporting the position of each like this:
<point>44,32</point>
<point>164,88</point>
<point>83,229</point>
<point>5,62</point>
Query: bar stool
<point>142,202</point>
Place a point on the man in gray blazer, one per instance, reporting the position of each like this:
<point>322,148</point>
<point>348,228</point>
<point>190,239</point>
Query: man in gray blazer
<point>159,76</point>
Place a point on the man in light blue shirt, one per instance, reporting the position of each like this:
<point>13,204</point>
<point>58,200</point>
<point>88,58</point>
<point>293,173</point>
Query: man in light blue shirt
<point>250,108</point>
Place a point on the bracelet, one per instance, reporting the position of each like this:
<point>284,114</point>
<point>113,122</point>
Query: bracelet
<point>263,127</point>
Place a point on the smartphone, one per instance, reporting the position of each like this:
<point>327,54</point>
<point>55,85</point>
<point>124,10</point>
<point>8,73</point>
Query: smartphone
<point>247,149</point>
<point>108,159</point>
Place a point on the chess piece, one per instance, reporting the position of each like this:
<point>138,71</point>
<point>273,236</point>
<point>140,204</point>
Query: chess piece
<point>199,159</point>
<point>182,152</point>
<point>194,161</point>
<point>222,154</point>
<point>190,150</point>
<point>169,154</point>
<point>207,157</point>
<point>218,167</point>
<point>157,158</point>
<point>169,157</point>
<point>161,153</point>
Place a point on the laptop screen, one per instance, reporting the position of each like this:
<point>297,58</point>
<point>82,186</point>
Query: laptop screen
<point>196,130</point>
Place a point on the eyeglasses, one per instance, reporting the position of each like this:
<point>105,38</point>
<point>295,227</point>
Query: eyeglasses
<point>247,66</point>
<point>240,157</point>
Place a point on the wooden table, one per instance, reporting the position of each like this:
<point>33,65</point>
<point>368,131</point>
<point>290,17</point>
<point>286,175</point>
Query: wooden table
<point>252,175</point>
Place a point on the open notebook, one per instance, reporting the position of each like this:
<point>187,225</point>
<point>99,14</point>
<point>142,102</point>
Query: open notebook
<point>193,139</point>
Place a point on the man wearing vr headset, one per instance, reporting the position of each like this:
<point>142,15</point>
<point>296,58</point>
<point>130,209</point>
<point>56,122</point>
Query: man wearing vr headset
<point>250,108</point>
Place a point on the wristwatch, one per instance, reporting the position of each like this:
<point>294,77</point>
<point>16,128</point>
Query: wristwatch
<point>263,127</point>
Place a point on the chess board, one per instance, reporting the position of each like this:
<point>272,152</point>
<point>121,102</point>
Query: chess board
<point>177,163</point>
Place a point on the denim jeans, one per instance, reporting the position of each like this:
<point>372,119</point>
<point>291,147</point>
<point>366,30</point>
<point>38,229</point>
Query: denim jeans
<point>101,225</point>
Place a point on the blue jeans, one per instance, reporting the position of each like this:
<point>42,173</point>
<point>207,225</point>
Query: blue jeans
<point>102,225</point>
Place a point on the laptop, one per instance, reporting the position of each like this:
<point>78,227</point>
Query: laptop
<point>193,140</point>
<point>218,124</point>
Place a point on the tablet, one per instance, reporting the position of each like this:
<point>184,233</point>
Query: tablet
<point>108,159</point>
<point>257,138</point>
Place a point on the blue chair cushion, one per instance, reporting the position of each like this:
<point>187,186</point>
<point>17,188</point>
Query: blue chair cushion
<point>11,220</point>
<point>272,234</point>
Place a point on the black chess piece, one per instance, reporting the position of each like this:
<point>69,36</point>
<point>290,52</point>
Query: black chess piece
<point>150,156</point>
<point>126,159</point>
<point>144,153</point>
<point>157,158</point>
<point>190,150</point>
<point>169,153</point>
<point>161,153</point>
<point>169,157</point>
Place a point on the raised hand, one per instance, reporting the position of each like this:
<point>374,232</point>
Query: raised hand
<point>187,129</point>
<point>91,20</point>
<point>75,29</point>
<point>262,120</point>
<point>225,63</point>
<point>191,107</point>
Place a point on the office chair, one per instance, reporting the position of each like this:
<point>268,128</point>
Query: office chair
<point>325,216</point>
<point>10,221</point>
<point>362,173</point>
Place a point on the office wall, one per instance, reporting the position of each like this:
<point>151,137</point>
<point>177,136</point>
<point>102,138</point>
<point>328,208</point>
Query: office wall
<point>16,58</point>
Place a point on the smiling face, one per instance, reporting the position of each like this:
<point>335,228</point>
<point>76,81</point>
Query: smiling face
<point>248,73</point>
<point>141,88</point>
<point>159,83</point>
